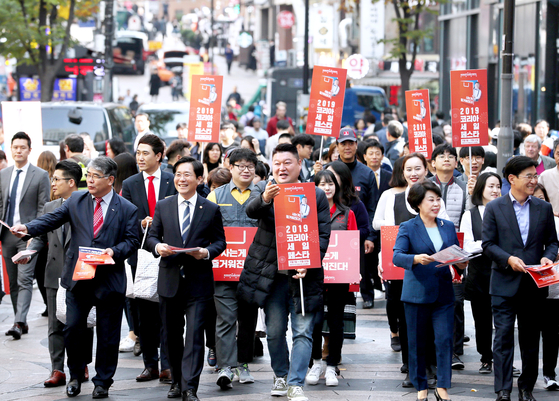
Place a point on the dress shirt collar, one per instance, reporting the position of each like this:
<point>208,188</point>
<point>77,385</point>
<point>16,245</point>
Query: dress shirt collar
<point>107,198</point>
<point>23,169</point>
<point>233,186</point>
<point>157,174</point>
<point>513,199</point>
<point>192,200</point>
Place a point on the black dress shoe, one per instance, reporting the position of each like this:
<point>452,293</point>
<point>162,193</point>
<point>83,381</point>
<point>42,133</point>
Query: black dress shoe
<point>17,330</point>
<point>503,395</point>
<point>525,395</point>
<point>100,392</point>
<point>438,396</point>
<point>407,382</point>
<point>368,304</point>
<point>190,395</point>
<point>137,347</point>
<point>175,391</point>
<point>73,388</point>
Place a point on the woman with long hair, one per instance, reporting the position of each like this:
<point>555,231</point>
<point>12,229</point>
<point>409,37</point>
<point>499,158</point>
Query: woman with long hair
<point>126,168</point>
<point>252,143</point>
<point>114,147</point>
<point>212,157</point>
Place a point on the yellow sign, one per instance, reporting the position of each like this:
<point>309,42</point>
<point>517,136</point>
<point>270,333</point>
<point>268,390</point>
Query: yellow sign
<point>191,69</point>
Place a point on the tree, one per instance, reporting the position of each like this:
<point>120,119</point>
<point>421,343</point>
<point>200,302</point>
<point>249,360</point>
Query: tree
<point>37,32</point>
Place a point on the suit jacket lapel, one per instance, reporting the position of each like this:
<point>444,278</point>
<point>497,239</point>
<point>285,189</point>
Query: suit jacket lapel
<point>163,188</point>
<point>59,229</point>
<point>509,217</point>
<point>5,188</point>
<point>141,188</point>
<point>175,217</point>
<point>199,210</point>
<point>534,219</point>
<point>111,211</point>
<point>28,178</point>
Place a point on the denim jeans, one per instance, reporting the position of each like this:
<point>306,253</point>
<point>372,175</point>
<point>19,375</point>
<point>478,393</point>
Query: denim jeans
<point>278,307</point>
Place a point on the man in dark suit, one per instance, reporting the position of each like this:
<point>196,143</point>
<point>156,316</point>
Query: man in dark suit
<point>98,219</point>
<point>25,190</point>
<point>186,281</point>
<point>65,181</point>
<point>518,230</point>
<point>144,190</point>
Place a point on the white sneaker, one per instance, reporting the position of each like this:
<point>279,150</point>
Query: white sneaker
<point>330,375</point>
<point>279,389</point>
<point>126,345</point>
<point>295,393</point>
<point>550,383</point>
<point>316,372</point>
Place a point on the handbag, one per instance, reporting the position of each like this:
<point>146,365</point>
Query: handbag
<point>129,280</point>
<point>147,273</point>
<point>61,309</point>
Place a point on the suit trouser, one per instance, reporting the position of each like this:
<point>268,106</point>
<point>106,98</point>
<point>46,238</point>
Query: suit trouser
<point>230,346</point>
<point>186,357</point>
<point>368,265</point>
<point>550,337</point>
<point>483,321</point>
<point>20,276</point>
<point>151,334</point>
<point>109,319</point>
<point>527,308</point>
<point>458,318</point>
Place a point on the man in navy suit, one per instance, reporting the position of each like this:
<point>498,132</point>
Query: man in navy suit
<point>98,219</point>
<point>186,281</point>
<point>144,190</point>
<point>518,231</point>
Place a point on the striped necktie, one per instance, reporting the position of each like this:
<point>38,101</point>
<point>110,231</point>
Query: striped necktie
<point>97,217</point>
<point>185,221</point>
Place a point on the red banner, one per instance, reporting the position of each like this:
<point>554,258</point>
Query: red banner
<point>419,122</point>
<point>341,262</point>
<point>388,236</point>
<point>4,274</point>
<point>326,104</point>
<point>469,108</point>
<point>297,237</point>
<point>229,265</point>
<point>205,108</point>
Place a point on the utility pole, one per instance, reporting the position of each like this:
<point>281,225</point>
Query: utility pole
<point>505,144</point>
<point>211,49</point>
<point>109,35</point>
<point>306,51</point>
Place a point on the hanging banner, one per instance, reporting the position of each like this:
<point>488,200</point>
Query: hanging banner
<point>341,262</point>
<point>326,102</point>
<point>205,108</point>
<point>469,108</point>
<point>297,237</point>
<point>419,122</point>
<point>229,265</point>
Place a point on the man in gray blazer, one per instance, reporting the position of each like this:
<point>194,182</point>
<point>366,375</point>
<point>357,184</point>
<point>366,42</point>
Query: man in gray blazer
<point>25,190</point>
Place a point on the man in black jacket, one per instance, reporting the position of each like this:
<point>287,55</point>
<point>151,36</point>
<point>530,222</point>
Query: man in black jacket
<point>278,291</point>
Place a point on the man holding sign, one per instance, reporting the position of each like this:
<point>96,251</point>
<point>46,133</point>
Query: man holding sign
<point>278,291</point>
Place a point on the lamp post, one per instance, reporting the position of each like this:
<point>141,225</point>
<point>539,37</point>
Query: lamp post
<point>306,51</point>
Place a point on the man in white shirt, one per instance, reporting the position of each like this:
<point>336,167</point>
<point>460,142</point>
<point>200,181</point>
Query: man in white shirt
<point>142,126</point>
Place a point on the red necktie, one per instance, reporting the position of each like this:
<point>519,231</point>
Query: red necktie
<point>97,217</point>
<point>152,200</point>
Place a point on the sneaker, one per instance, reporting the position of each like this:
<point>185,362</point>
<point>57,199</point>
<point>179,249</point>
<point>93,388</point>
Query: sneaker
<point>244,374</point>
<point>486,368</point>
<point>516,372</point>
<point>212,358</point>
<point>316,372</point>
<point>330,375</point>
<point>395,344</point>
<point>550,383</point>
<point>457,364</point>
<point>126,345</point>
<point>224,378</point>
<point>279,389</point>
<point>295,393</point>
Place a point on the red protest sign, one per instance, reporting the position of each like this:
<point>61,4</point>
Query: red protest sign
<point>341,262</point>
<point>229,265</point>
<point>4,274</point>
<point>388,236</point>
<point>469,108</point>
<point>297,237</point>
<point>326,104</point>
<point>419,122</point>
<point>205,108</point>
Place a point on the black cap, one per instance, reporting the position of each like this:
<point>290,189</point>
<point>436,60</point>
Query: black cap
<point>347,134</point>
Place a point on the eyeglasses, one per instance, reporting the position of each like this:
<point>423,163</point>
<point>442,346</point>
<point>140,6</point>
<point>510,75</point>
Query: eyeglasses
<point>249,167</point>
<point>95,177</point>
<point>529,177</point>
<point>56,179</point>
<point>476,158</point>
<point>449,157</point>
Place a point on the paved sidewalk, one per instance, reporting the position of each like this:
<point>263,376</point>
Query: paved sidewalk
<point>370,370</point>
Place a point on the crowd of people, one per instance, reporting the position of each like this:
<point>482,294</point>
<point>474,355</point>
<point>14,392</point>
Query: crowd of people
<point>143,206</point>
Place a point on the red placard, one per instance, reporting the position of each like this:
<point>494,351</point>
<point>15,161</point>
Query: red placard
<point>419,122</point>
<point>341,262</point>
<point>4,274</point>
<point>229,265</point>
<point>469,108</point>
<point>326,104</point>
<point>297,236</point>
<point>205,108</point>
<point>388,236</point>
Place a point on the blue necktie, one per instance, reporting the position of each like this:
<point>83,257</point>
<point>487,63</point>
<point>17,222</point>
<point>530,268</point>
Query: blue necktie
<point>12,201</point>
<point>184,231</point>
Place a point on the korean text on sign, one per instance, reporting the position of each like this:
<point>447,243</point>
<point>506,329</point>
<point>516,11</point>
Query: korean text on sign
<point>229,265</point>
<point>341,262</point>
<point>326,102</point>
<point>419,122</point>
<point>205,108</point>
<point>297,237</point>
<point>469,108</point>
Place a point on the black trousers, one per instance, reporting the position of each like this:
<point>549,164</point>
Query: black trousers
<point>368,267</point>
<point>397,315</point>
<point>483,321</point>
<point>109,318</point>
<point>151,334</point>
<point>550,337</point>
<point>458,318</point>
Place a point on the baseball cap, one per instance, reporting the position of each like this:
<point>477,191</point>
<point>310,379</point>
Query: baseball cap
<point>347,134</point>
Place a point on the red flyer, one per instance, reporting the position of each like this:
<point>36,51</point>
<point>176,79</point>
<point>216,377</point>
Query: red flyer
<point>205,108</point>
<point>341,262</point>
<point>388,236</point>
<point>229,265</point>
<point>419,122</point>
<point>297,237</point>
<point>4,274</point>
<point>326,102</point>
<point>469,108</point>
<point>544,276</point>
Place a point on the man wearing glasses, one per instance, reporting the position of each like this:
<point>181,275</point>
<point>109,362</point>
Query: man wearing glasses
<point>472,163</point>
<point>518,231</point>
<point>101,219</point>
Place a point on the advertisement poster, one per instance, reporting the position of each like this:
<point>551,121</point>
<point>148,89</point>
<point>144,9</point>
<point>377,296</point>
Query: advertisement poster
<point>326,102</point>
<point>341,262</point>
<point>469,108</point>
<point>26,117</point>
<point>229,265</point>
<point>205,108</point>
<point>388,236</point>
<point>297,237</point>
<point>419,122</point>
<point>64,89</point>
<point>88,260</point>
<point>544,276</point>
